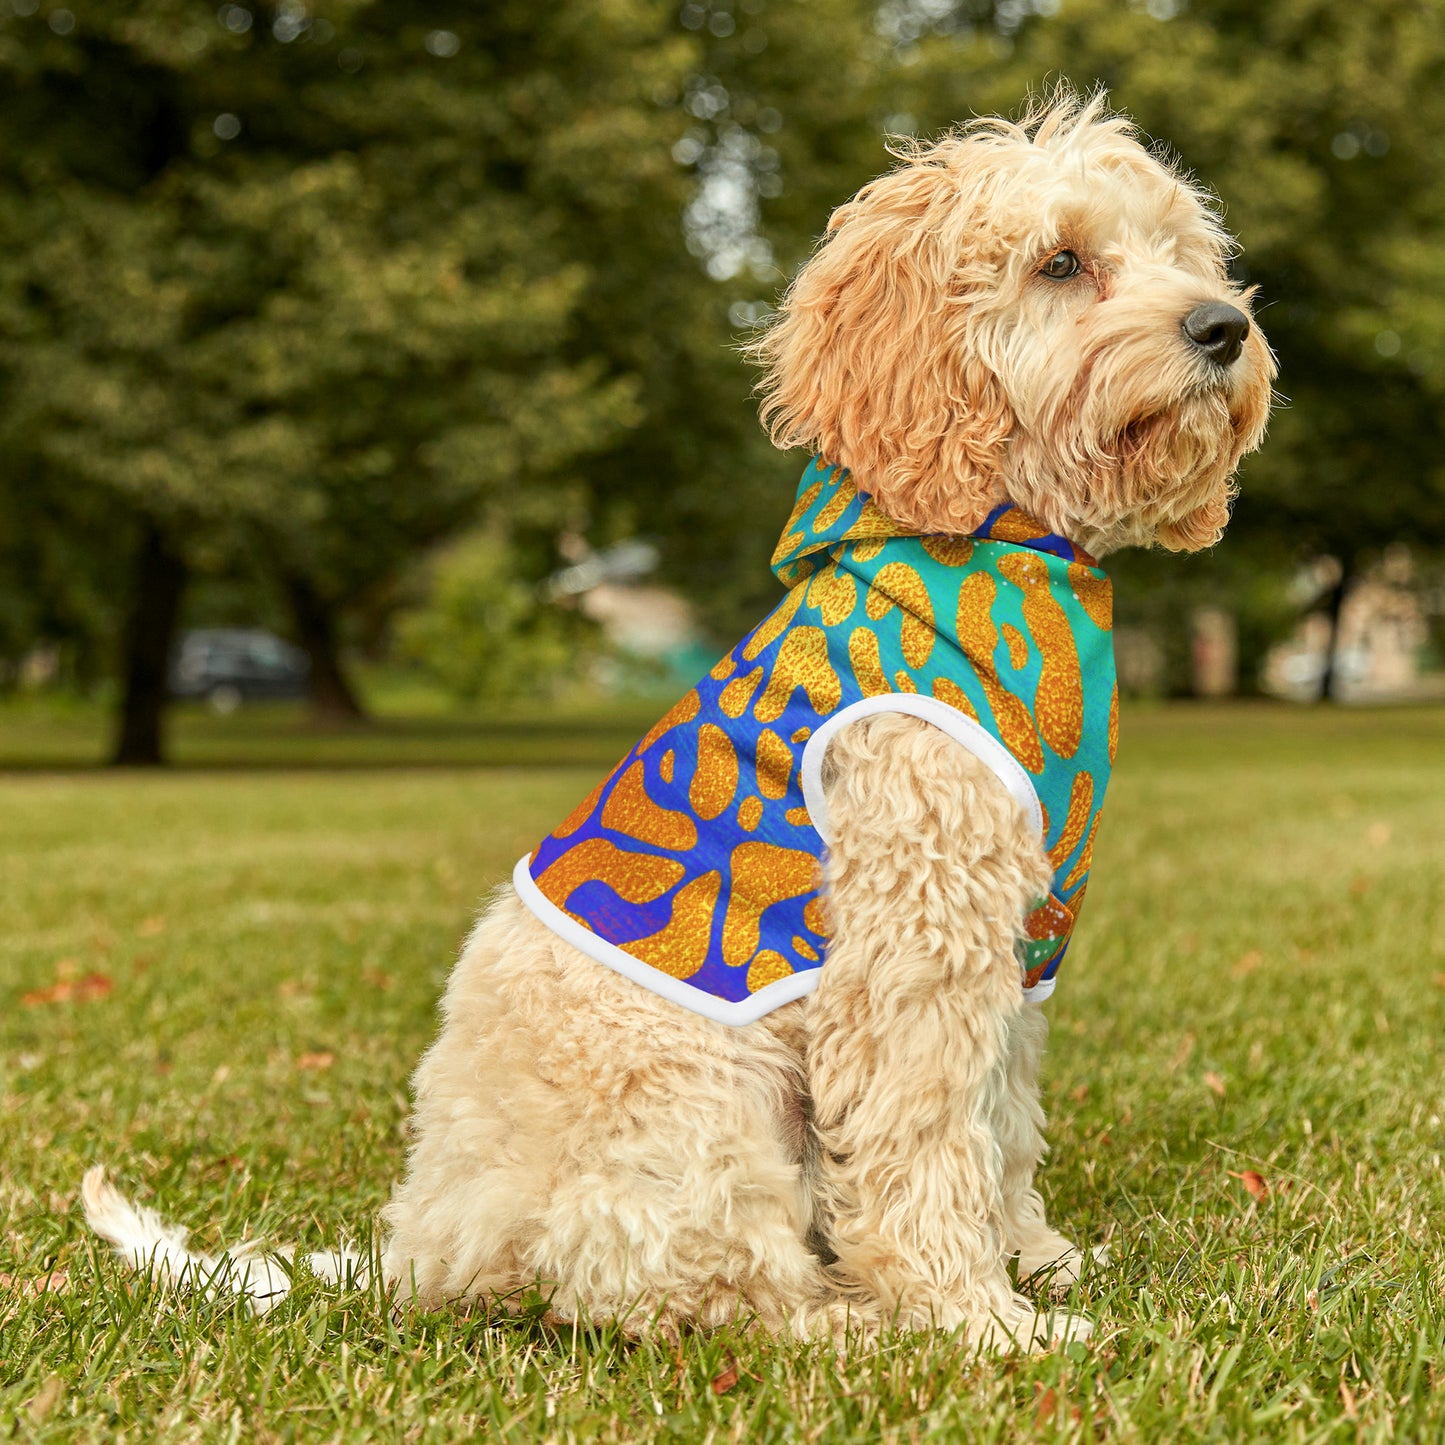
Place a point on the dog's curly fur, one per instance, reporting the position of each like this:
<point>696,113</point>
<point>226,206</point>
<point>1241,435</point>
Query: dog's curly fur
<point>661,1168</point>
<point>869,1152</point>
<point>866,1155</point>
<point>921,346</point>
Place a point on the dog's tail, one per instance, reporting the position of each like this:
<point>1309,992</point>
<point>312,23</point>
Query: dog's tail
<point>148,1244</point>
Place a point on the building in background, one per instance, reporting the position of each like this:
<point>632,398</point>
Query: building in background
<point>1381,644</point>
<point>653,632</point>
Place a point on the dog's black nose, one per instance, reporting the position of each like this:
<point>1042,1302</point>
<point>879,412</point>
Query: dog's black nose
<point>1217,330</point>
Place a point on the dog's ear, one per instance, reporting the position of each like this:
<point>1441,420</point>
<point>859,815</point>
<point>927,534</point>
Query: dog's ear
<point>871,360</point>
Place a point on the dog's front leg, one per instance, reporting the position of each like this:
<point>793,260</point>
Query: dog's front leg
<point>1019,1127</point>
<point>932,867</point>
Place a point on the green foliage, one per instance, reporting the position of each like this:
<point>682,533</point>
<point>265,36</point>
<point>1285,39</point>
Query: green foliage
<point>1316,122</point>
<point>1264,910</point>
<point>482,633</point>
<point>59,571</point>
<point>778,120</point>
<point>1161,594</point>
<point>312,292</point>
<point>322,285</point>
<point>326,284</point>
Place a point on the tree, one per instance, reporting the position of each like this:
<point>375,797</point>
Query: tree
<point>780,117</point>
<point>326,284</point>
<point>303,281</point>
<point>1317,123</point>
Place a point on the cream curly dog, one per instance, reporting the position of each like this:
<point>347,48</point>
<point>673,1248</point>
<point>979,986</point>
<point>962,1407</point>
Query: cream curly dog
<point>1035,314</point>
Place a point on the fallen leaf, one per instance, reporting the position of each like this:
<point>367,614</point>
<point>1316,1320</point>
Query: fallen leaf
<point>1377,834</point>
<point>151,927</point>
<point>66,990</point>
<point>1254,1182</point>
<point>724,1382</point>
<point>56,1282</point>
<point>56,993</point>
<point>1046,1408</point>
<point>1440,980</point>
<point>1214,1083</point>
<point>1360,885</point>
<point>1080,1094</point>
<point>377,979</point>
<point>321,1059</point>
<point>1247,964</point>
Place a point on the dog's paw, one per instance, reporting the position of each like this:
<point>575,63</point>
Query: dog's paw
<point>1057,1266</point>
<point>1023,1326</point>
<point>1060,1327</point>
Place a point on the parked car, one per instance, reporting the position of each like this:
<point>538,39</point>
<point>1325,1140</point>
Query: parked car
<point>227,666</point>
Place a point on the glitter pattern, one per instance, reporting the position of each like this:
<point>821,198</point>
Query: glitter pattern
<point>699,860</point>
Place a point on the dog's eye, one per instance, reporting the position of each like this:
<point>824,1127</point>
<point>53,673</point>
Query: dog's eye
<point>1061,266</point>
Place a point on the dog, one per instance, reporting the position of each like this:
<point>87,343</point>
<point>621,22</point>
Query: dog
<point>693,1070</point>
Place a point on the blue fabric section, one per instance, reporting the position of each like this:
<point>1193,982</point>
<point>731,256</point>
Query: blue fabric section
<point>1049,542</point>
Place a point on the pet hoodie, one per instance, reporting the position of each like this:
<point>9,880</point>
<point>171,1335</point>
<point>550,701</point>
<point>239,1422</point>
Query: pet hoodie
<point>694,866</point>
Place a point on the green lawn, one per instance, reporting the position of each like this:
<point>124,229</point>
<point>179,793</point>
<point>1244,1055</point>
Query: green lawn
<point>1259,984</point>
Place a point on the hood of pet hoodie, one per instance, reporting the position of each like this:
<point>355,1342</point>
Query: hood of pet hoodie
<point>694,866</point>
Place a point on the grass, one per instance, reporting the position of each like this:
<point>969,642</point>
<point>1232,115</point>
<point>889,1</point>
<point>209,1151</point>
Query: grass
<point>412,727</point>
<point>1259,985</point>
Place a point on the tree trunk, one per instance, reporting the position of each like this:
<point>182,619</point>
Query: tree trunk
<point>333,699</point>
<point>1329,675</point>
<point>150,630</point>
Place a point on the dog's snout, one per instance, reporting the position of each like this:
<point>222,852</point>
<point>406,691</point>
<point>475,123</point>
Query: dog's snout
<point>1218,330</point>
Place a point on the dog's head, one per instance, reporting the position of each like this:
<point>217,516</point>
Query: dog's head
<point>1036,311</point>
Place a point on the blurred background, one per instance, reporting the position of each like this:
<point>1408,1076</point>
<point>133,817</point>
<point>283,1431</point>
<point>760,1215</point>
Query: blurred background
<point>365,361</point>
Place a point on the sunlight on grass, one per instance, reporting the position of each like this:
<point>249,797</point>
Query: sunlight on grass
<point>217,982</point>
